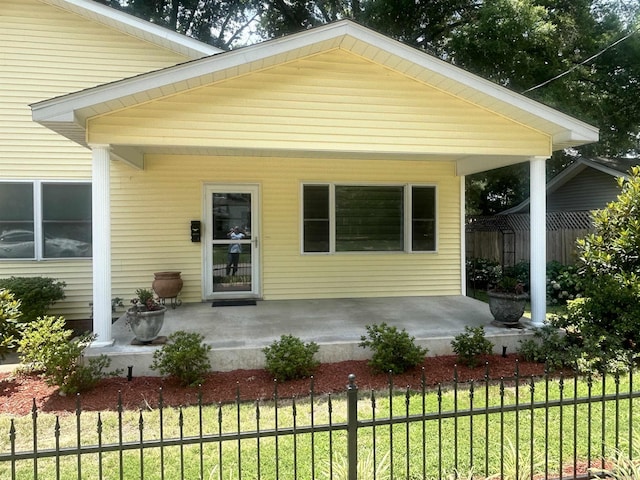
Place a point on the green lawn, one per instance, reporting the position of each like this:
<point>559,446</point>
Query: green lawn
<point>550,431</point>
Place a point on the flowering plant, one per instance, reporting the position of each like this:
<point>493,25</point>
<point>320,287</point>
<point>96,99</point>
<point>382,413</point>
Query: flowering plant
<point>145,301</point>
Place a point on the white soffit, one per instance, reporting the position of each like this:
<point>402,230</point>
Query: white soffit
<point>136,27</point>
<point>565,131</point>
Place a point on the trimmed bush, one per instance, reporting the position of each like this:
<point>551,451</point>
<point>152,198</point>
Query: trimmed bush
<point>36,294</point>
<point>47,346</point>
<point>184,356</point>
<point>290,358</point>
<point>470,345</point>
<point>9,326</point>
<point>393,350</point>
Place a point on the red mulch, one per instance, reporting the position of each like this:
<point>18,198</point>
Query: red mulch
<point>18,392</point>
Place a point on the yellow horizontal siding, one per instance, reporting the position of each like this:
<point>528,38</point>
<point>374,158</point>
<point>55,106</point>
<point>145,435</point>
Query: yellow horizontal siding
<point>151,211</point>
<point>45,52</point>
<point>333,101</point>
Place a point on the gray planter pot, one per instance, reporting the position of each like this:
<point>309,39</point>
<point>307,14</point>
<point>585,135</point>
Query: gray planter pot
<point>145,325</point>
<point>507,308</point>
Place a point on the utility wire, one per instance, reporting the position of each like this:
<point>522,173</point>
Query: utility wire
<point>566,72</point>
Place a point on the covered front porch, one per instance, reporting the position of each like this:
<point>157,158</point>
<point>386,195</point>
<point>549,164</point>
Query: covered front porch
<point>238,333</point>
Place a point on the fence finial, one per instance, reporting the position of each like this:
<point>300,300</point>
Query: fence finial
<point>352,382</point>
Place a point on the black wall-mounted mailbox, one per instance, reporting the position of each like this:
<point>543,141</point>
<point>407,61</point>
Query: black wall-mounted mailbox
<point>195,231</point>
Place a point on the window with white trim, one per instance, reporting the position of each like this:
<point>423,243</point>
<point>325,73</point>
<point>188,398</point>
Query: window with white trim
<point>368,218</point>
<point>44,220</point>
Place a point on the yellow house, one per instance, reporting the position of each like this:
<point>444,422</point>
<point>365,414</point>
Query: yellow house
<point>338,153</point>
<point>51,48</point>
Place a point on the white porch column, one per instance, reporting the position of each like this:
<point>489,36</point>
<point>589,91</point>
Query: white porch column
<point>538,219</point>
<point>101,237</point>
<point>463,235</point>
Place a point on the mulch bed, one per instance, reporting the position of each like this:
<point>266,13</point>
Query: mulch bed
<point>19,392</point>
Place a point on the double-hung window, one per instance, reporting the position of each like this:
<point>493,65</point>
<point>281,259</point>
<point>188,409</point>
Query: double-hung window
<point>368,218</point>
<point>43,220</point>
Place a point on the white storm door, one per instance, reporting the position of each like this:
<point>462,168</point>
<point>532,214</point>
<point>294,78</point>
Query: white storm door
<point>231,236</point>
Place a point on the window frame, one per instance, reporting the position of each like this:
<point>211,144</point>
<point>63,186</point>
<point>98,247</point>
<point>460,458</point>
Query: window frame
<point>407,217</point>
<point>38,227</point>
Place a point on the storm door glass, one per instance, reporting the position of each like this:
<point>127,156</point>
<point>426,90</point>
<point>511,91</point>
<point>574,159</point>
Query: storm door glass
<point>232,245</point>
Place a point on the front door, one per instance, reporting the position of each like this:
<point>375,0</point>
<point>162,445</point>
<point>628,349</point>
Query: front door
<point>231,233</point>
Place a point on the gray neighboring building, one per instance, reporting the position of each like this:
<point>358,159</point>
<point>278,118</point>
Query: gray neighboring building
<point>587,184</point>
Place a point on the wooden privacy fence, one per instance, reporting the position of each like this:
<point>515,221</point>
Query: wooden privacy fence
<point>506,238</point>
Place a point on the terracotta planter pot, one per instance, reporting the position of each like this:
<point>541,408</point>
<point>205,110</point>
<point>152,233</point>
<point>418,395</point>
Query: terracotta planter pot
<point>145,324</point>
<point>507,308</point>
<point>167,284</point>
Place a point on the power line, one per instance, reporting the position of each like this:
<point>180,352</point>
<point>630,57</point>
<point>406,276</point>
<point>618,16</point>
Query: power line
<point>566,72</point>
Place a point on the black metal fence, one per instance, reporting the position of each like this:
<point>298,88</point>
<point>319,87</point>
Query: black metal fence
<point>513,428</point>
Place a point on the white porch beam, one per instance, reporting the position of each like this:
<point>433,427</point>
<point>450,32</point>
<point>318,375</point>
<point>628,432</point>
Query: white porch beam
<point>538,219</point>
<point>471,165</point>
<point>129,155</point>
<point>101,238</point>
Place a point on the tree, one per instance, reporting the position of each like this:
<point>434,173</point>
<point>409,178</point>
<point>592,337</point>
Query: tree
<point>222,23</point>
<point>606,322</point>
<point>522,44</point>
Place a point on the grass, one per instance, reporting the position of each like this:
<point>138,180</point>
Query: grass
<point>457,444</point>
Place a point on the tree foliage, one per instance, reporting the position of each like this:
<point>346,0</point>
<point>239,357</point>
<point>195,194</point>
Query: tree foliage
<point>607,319</point>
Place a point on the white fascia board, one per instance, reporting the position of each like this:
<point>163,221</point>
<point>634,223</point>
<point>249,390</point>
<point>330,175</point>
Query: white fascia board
<point>135,26</point>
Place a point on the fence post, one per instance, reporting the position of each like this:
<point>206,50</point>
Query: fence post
<point>352,427</point>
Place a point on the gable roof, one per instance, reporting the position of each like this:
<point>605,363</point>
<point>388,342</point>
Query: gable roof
<point>68,115</point>
<point>616,167</point>
<point>136,27</point>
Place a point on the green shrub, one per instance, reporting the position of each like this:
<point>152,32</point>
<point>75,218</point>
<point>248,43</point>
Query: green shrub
<point>47,346</point>
<point>470,344</point>
<point>184,356</point>
<point>36,294</point>
<point>519,271</point>
<point>393,350</point>
<point>563,283</point>
<point>482,272</point>
<point>607,319</point>
<point>548,345</point>
<point>290,358</point>
<point>9,326</point>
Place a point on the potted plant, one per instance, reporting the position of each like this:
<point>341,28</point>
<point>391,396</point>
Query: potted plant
<point>146,316</point>
<point>507,301</point>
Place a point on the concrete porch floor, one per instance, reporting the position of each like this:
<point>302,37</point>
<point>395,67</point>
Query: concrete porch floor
<point>238,333</point>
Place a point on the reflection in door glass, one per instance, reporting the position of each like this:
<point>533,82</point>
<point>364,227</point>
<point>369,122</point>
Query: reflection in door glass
<point>232,246</point>
<point>231,271</point>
